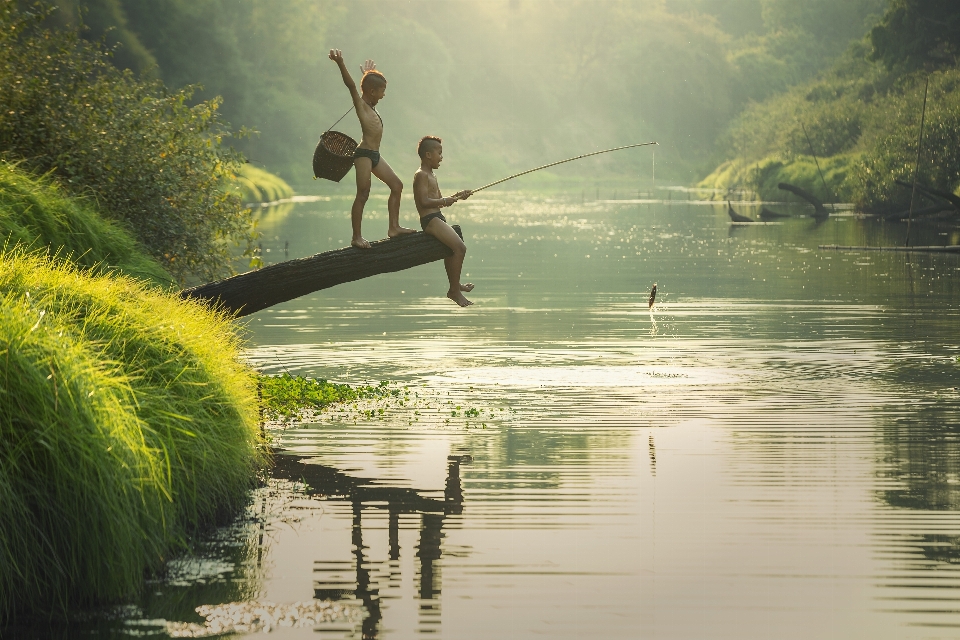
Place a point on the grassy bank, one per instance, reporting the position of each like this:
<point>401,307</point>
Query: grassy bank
<point>127,420</point>
<point>36,214</point>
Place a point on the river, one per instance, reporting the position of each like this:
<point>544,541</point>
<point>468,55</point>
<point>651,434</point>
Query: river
<point>774,451</point>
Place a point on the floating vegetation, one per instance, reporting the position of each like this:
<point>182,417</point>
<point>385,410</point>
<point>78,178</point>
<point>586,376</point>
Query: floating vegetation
<point>250,617</point>
<point>287,397</point>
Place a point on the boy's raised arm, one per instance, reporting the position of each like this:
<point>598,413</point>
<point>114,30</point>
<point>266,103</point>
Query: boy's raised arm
<point>337,56</point>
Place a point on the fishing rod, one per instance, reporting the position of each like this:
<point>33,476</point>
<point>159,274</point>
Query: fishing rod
<point>553,164</point>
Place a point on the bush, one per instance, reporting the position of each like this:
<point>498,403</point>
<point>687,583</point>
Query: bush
<point>142,152</point>
<point>35,213</point>
<point>893,154</point>
<point>126,422</point>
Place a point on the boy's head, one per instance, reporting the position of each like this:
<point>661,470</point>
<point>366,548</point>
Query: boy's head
<point>373,83</point>
<point>431,149</point>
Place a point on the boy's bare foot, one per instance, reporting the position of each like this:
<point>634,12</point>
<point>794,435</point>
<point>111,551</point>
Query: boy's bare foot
<point>466,287</point>
<point>399,231</point>
<point>457,297</point>
<point>359,243</point>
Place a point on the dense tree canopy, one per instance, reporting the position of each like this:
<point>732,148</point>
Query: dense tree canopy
<point>918,34</point>
<point>509,83</point>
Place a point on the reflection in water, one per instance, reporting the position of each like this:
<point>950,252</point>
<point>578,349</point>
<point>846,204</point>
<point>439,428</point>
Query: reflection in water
<point>331,581</point>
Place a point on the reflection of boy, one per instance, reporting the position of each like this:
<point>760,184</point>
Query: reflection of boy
<point>367,158</point>
<point>426,195</point>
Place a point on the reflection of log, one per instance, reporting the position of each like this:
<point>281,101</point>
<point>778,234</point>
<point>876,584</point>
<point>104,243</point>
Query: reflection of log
<point>767,214</point>
<point>736,217</point>
<point>931,211</point>
<point>819,210</point>
<point>255,290</point>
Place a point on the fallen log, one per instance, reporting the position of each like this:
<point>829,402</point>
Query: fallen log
<point>820,211</point>
<point>736,217</point>
<point>933,194</point>
<point>249,292</point>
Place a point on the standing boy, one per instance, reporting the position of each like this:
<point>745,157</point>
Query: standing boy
<point>366,159</point>
<point>426,195</point>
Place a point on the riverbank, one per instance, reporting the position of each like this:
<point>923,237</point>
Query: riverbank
<point>128,414</point>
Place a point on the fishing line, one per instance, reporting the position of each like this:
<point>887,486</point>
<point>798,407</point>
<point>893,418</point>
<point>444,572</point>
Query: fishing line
<point>553,164</point>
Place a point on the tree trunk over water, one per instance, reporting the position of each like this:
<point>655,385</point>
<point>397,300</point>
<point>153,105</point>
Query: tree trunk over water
<point>819,210</point>
<point>255,290</point>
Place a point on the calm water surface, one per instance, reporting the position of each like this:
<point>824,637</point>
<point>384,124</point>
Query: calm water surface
<point>774,452</point>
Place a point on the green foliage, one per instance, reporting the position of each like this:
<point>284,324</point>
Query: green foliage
<point>918,34</point>
<point>285,396</point>
<point>893,152</point>
<point>577,75</point>
<point>36,213</point>
<point>126,422</point>
<point>839,174</point>
<point>145,155</point>
<point>258,185</point>
<point>862,121</point>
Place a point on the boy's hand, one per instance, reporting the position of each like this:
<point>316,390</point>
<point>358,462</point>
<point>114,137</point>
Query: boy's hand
<point>463,195</point>
<point>369,65</point>
<point>336,55</point>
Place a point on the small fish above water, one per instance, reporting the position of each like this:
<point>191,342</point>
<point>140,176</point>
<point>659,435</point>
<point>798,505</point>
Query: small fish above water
<point>653,296</point>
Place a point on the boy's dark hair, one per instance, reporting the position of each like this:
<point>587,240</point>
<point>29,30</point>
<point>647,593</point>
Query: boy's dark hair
<point>427,143</point>
<point>372,76</point>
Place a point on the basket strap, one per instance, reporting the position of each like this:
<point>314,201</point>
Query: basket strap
<point>340,118</point>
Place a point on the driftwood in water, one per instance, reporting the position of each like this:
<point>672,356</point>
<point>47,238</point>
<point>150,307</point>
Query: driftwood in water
<point>820,211</point>
<point>767,214</point>
<point>736,217</point>
<point>255,290</point>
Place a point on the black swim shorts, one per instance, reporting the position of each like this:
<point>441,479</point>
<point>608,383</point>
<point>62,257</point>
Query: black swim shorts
<point>367,153</point>
<point>425,220</point>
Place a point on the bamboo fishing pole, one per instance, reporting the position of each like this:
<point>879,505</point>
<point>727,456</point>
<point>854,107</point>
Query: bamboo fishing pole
<point>553,164</point>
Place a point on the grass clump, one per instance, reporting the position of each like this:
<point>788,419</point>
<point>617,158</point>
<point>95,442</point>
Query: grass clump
<point>36,213</point>
<point>286,396</point>
<point>127,422</point>
<point>258,185</point>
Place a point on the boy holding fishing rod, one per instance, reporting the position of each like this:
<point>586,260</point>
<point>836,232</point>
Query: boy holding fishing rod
<point>429,201</point>
<point>366,158</point>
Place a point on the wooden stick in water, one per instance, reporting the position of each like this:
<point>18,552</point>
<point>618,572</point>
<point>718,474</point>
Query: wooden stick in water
<point>552,164</point>
<point>916,167</point>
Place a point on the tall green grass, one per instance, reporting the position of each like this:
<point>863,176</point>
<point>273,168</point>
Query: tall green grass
<point>258,185</point>
<point>126,421</point>
<point>35,213</point>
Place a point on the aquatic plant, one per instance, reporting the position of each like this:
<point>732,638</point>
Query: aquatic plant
<point>127,422</point>
<point>286,396</point>
<point>36,213</point>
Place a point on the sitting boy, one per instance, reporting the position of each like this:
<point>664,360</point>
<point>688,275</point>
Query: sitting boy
<point>426,195</point>
<point>367,158</point>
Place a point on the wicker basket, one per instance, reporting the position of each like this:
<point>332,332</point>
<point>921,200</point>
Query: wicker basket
<point>333,156</point>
